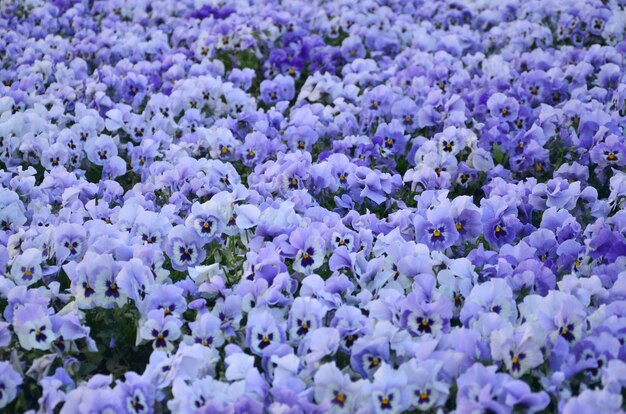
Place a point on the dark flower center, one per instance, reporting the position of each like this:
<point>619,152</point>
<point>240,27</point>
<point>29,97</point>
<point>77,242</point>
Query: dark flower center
<point>112,289</point>
<point>424,396</point>
<point>385,401</point>
<point>566,332</point>
<point>339,399</point>
<point>88,289</point>
<point>185,254</point>
<point>307,257</point>
<point>265,340</point>
<point>515,359</point>
<point>424,325</point>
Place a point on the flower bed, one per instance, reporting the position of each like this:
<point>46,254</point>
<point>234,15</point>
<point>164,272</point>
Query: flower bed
<point>312,206</point>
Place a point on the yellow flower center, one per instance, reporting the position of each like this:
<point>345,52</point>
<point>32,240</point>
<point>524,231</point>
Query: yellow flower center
<point>437,233</point>
<point>515,360</point>
<point>459,226</point>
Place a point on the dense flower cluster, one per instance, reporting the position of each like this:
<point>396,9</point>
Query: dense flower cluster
<point>315,206</point>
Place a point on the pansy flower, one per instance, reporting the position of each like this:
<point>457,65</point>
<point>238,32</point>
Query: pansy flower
<point>437,229</point>
<point>310,250</point>
<point>346,238</point>
<point>206,331</point>
<point>559,315</point>
<point>135,280</point>
<point>136,394</point>
<point>26,269</point>
<point>101,150</point>
<point>425,311</point>
<point>500,222</point>
<point>593,354</point>
<point>33,327</point>
<point>203,223</point>
<point>336,387</point>
<point>11,213</point>
<point>389,390</point>
<point>352,48</point>
<point>494,296</point>
<point>609,153</point>
<point>255,148</point>
<point>467,218</point>
<point>184,248</point>
<point>351,323</point>
<point>609,76</point>
<point>169,299</point>
<point>305,315</point>
<point>503,107</point>
<point>390,138</point>
<point>162,330</point>
<point>70,241</point>
<point>368,354</point>
<point>517,348</point>
<point>424,384</point>
<point>104,269</point>
<point>262,331</point>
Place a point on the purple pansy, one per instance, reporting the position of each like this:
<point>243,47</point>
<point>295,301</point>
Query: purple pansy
<point>184,248</point>
<point>436,229</point>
